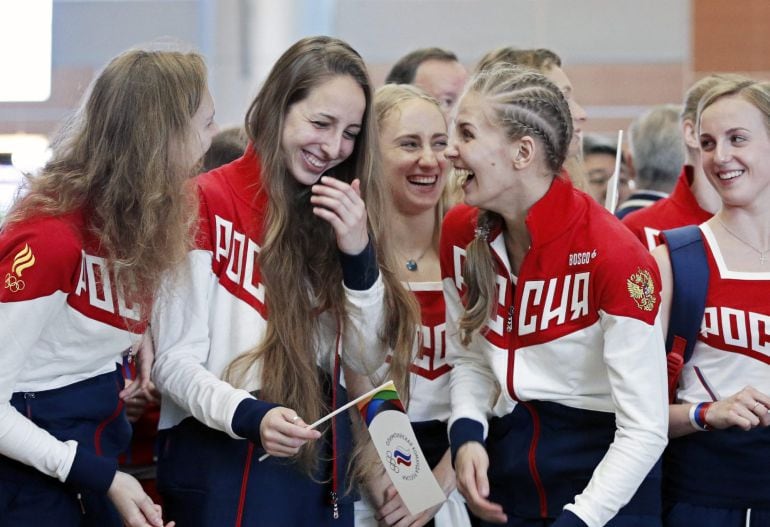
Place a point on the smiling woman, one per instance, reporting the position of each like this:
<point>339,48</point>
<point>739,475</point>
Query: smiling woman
<point>551,324</point>
<point>724,387</point>
<point>288,280</point>
<point>413,138</point>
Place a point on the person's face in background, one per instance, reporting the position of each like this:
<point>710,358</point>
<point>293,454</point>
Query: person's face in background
<point>599,167</point>
<point>442,79</point>
<point>556,75</point>
<point>320,131</point>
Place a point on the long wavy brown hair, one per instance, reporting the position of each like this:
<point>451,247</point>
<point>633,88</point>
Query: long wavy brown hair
<point>299,259</point>
<point>523,103</point>
<point>119,160</point>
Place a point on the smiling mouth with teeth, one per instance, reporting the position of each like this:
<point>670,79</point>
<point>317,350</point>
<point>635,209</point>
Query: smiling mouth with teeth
<point>423,180</point>
<point>463,175</point>
<point>313,160</point>
<point>732,174</point>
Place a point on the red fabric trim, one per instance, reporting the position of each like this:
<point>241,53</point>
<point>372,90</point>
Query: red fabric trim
<point>244,484</point>
<point>103,425</point>
<point>674,365</point>
<point>533,462</point>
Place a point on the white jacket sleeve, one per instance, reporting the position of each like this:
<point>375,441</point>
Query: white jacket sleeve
<point>362,348</point>
<point>21,324</point>
<point>180,327</point>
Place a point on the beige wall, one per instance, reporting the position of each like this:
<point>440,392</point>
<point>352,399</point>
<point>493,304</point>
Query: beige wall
<point>622,55</point>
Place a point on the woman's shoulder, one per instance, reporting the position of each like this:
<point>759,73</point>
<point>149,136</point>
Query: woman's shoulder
<point>42,253</point>
<point>460,219</point>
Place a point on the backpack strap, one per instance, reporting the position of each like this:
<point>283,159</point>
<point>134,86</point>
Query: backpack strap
<point>690,272</point>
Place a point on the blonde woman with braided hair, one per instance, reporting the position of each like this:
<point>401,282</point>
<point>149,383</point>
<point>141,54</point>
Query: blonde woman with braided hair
<point>81,254</point>
<point>552,326</point>
<point>284,284</point>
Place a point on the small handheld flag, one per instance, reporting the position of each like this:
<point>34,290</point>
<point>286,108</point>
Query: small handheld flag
<point>397,446</point>
<point>342,408</point>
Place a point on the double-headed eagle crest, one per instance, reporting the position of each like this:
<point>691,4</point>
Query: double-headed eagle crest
<point>641,287</point>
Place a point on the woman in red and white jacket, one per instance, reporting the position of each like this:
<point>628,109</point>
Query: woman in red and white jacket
<point>552,326</point>
<point>721,411</point>
<point>282,286</point>
<point>81,255</point>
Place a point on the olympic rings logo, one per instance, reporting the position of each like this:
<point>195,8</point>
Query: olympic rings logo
<point>392,463</point>
<point>13,284</point>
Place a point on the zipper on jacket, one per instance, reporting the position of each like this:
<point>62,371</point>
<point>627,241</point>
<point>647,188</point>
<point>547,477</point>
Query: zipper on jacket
<point>82,506</point>
<point>335,383</point>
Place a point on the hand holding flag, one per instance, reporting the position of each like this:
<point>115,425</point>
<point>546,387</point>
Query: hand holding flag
<point>396,444</point>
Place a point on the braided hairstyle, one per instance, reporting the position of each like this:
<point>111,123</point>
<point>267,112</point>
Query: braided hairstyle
<point>523,103</point>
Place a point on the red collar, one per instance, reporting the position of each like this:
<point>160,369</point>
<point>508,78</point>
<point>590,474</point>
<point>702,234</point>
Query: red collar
<point>244,176</point>
<point>553,214</point>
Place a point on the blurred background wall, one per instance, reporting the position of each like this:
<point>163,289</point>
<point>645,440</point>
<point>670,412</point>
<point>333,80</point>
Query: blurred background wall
<point>622,55</point>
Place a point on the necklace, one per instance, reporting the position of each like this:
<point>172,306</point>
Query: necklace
<point>762,254</point>
<point>411,263</point>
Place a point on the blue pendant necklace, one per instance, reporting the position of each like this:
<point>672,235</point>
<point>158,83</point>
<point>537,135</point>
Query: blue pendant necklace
<point>411,263</point>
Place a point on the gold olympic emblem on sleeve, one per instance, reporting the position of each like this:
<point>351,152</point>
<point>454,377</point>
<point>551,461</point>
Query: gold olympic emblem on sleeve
<point>24,259</point>
<point>641,288</point>
<point>13,284</point>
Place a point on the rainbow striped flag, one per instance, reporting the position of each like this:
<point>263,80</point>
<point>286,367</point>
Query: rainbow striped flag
<point>385,399</point>
<point>396,443</point>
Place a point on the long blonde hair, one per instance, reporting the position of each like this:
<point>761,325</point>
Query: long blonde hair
<point>118,160</point>
<point>523,103</point>
<point>299,259</point>
<point>387,100</point>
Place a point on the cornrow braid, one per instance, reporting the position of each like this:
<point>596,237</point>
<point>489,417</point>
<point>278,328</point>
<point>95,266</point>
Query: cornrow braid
<point>524,103</point>
<point>527,103</point>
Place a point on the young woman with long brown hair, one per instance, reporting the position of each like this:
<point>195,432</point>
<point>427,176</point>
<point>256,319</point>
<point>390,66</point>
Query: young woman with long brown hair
<point>81,255</point>
<point>551,325</point>
<point>283,285</point>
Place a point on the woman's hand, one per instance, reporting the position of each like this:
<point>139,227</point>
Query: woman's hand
<point>393,513</point>
<point>283,432</point>
<point>137,404</point>
<point>136,508</point>
<point>471,466</point>
<point>145,355</point>
<point>747,409</point>
<point>341,205</point>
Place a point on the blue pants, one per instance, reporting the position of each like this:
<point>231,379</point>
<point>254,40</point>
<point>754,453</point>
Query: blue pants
<point>208,479</point>
<point>88,412</point>
<point>569,444</point>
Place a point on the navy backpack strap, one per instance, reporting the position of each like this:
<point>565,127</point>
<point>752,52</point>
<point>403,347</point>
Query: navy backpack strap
<point>690,273</point>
